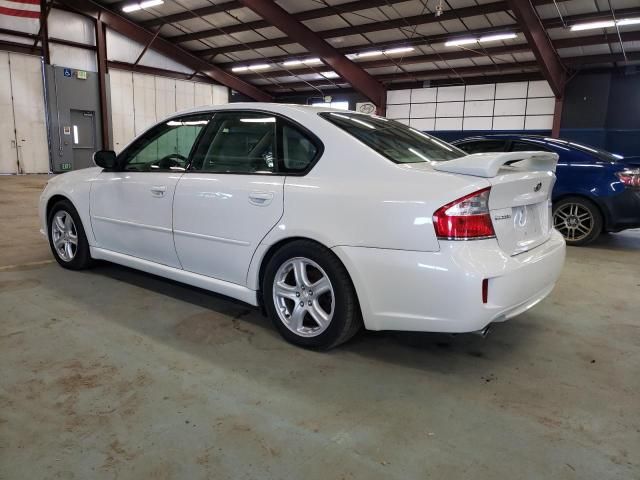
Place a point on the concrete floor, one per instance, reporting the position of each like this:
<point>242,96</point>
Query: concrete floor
<point>112,373</point>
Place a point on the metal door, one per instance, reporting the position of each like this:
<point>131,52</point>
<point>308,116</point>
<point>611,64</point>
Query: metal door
<point>83,138</point>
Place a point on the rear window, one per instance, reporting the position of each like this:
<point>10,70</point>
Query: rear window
<point>393,140</point>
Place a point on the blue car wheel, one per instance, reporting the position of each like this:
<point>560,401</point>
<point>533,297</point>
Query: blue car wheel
<point>578,220</point>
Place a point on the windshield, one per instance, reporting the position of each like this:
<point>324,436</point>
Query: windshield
<point>394,140</point>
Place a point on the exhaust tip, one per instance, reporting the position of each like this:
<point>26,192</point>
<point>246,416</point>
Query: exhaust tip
<point>483,332</point>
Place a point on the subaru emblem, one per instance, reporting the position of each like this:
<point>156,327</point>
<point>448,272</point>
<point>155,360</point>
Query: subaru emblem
<point>537,187</point>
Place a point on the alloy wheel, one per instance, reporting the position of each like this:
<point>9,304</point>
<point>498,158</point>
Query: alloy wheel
<point>303,296</point>
<point>64,235</point>
<point>574,221</point>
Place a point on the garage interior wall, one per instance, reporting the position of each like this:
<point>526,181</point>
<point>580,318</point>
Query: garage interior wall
<point>494,106</point>
<point>136,100</point>
<point>153,97</point>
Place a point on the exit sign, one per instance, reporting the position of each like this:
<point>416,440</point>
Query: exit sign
<point>81,74</point>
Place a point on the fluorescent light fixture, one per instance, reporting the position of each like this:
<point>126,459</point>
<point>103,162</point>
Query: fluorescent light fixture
<point>329,74</point>
<point>260,66</point>
<point>460,41</point>
<point>498,36</point>
<point>391,51</point>
<point>628,21</point>
<point>134,7</point>
<point>591,25</point>
<point>370,53</point>
<point>308,61</point>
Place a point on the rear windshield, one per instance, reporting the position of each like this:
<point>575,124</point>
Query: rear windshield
<point>596,152</point>
<point>393,140</point>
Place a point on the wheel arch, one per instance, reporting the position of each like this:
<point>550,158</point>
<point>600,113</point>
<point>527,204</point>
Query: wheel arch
<point>273,249</point>
<point>53,200</point>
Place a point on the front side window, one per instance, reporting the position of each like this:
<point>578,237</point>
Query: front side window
<point>166,147</point>
<point>482,146</point>
<point>393,140</point>
<point>238,142</point>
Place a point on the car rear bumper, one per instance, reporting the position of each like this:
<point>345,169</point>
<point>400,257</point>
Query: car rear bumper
<point>442,291</point>
<point>622,210</point>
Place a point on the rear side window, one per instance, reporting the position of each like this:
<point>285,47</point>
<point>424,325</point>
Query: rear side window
<point>298,151</point>
<point>482,146</point>
<point>393,140</point>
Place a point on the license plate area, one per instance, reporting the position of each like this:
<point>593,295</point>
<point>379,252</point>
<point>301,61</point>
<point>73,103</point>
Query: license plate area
<point>531,225</point>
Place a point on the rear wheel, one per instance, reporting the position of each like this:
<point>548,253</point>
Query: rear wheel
<point>309,296</point>
<point>578,220</point>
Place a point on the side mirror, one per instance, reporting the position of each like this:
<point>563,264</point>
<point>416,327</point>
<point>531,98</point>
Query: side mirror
<point>105,159</point>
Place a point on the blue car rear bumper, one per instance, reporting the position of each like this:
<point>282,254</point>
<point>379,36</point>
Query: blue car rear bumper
<point>621,211</point>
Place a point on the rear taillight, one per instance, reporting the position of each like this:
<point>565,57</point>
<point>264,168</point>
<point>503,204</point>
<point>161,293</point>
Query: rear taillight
<point>630,178</point>
<point>465,218</point>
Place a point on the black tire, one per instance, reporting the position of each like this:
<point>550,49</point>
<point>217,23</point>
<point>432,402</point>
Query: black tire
<point>82,256</point>
<point>346,320</point>
<point>589,220</point>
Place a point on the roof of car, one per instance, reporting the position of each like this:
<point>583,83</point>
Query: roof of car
<point>260,106</point>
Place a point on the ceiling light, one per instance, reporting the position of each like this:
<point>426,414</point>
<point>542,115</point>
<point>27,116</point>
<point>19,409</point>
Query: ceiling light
<point>371,53</point>
<point>139,6</point>
<point>329,74</point>
<point>590,25</point>
<point>460,41</point>
<point>628,21</point>
<point>498,36</point>
<point>260,66</point>
<point>308,61</point>
<point>391,51</point>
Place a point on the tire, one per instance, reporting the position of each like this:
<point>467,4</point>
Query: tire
<point>68,228</point>
<point>318,320</point>
<point>578,220</point>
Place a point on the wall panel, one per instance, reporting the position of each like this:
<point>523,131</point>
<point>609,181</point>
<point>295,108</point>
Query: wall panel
<point>501,106</point>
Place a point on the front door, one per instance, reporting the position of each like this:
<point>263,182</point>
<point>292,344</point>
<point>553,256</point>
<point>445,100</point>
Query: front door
<point>231,197</point>
<point>131,209</point>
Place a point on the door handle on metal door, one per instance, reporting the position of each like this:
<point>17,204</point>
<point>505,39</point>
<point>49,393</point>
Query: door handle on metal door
<point>158,190</point>
<point>261,198</point>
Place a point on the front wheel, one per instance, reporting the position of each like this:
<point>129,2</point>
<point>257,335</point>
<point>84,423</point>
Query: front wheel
<point>578,220</point>
<point>67,239</point>
<point>309,296</point>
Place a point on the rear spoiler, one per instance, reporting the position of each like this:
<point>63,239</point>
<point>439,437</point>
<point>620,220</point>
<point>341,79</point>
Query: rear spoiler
<point>488,164</point>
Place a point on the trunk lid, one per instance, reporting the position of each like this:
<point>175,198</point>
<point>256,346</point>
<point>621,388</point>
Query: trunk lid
<point>520,198</point>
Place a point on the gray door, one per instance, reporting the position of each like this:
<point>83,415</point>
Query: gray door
<point>83,139</point>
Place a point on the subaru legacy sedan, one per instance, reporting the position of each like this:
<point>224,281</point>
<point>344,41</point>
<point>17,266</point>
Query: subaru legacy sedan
<point>596,191</point>
<point>329,220</point>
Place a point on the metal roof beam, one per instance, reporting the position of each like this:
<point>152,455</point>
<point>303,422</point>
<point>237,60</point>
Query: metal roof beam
<point>540,43</point>
<point>300,33</point>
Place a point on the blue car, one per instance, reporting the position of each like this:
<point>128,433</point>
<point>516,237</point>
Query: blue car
<point>595,191</point>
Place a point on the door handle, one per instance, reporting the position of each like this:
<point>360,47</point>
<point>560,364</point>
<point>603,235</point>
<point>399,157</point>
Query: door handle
<point>260,198</point>
<point>158,190</point>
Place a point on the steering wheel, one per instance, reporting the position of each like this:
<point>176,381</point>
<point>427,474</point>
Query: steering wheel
<point>172,160</point>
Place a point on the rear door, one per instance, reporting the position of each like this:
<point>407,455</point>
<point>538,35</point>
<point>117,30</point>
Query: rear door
<point>231,196</point>
<point>233,193</point>
<point>131,209</point>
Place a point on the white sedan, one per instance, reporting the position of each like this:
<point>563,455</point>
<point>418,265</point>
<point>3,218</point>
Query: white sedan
<point>330,220</point>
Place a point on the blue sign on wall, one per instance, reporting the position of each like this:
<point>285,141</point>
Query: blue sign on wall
<point>67,72</point>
